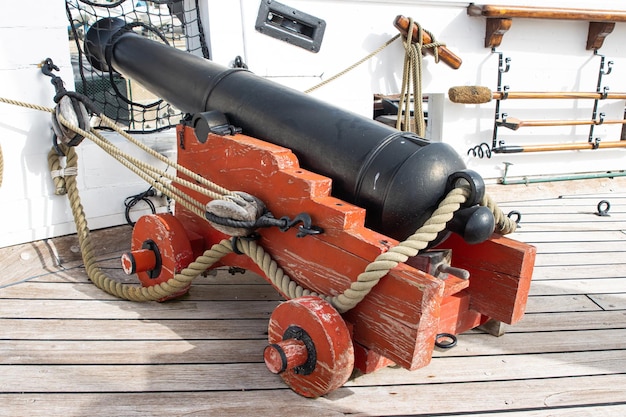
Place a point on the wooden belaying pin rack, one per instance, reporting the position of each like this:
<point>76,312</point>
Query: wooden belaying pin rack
<point>479,95</point>
<point>500,18</point>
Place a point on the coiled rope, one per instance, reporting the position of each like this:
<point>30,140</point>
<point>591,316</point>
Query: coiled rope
<point>412,77</point>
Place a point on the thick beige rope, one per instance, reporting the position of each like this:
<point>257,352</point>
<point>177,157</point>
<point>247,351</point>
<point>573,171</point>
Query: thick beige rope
<point>342,302</point>
<point>65,181</point>
<point>212,190</point>
<point>119,289</point>
<point>385,262</point>
<point>504,224</point>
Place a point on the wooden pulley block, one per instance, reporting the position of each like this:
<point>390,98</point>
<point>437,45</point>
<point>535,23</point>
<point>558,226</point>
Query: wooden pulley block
<point>310,346</point>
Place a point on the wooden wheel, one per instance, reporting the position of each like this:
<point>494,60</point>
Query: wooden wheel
<point>159,250</point>
<point>310,346</point>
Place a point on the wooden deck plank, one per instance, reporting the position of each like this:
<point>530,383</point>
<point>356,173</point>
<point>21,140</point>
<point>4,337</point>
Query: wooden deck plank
<point>579,320</point>
<point>571,236</point>
<point>578,286</point>
<point>564,298</point>
<point>566,259</point>
<point>132,352</point>
<point>560,303</point>
<point>554,226</point>
<point>610,301</point>
<point>590,272</point>
<point>586,221</point>
<point>87,291</point>
<point>529,343</point>
<point>215,351</point>
<point>504,396</point>
<point>142,329</point>
<point>580,247</point>
<point>253,375</point>
<point>222,310</point>
<point>584,411</point>
<point>125,310</point>
<point>568,204</point>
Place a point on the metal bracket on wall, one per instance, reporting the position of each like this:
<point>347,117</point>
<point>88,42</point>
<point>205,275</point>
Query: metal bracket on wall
<point>290,25</point>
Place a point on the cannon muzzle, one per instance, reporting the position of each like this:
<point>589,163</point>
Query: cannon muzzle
<point>398,177</point>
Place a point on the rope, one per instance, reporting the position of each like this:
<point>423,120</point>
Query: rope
<point>412,76</point>
<point>181,280</point>
<point>290,288</point>
<point>504,224</point>
<point>54,164</point>
<point>385,262</point>
<point>353,66</point>
<point>65,182</point>
<point>126,291</point>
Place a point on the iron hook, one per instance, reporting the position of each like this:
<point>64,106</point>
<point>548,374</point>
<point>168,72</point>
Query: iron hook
<point>47,66</point>
<point>605,92</point>
<point>505,92</point>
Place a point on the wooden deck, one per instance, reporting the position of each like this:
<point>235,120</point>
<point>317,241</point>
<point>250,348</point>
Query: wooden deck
<point>68,349</point>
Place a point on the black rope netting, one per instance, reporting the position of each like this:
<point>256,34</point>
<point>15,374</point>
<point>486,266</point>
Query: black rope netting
<point>123,100</point>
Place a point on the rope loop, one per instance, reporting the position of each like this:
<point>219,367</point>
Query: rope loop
<point>412,79</point>
<point>412,85</point>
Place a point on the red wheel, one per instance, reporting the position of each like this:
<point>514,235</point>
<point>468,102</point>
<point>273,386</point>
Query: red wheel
<point>310,346</point>
<point>160,249</point>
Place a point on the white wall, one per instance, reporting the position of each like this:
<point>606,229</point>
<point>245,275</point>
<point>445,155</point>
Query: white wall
<point>29,210</point>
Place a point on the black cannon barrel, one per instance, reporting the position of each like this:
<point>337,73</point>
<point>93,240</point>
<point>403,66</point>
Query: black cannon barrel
<point>398,177</point>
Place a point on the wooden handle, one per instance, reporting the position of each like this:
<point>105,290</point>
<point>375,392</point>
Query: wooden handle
<point>514,123</point>
<point>554,13</point>
<point>453,61</point>
<point>500,95</point>
<point>573,146</point>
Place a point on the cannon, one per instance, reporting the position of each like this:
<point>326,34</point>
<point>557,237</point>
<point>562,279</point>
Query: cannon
<point>357,185</point>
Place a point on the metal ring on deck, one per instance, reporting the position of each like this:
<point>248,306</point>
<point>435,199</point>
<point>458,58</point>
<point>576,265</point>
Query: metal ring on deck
<point>517,214</point>
<point>445,344</point>
<point>603,208</point>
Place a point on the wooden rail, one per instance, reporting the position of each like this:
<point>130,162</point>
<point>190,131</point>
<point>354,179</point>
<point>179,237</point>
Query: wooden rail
<point>499,20</point>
